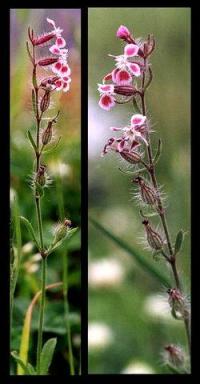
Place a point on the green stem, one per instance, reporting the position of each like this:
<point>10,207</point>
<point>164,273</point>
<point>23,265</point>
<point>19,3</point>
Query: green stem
<point>39,220</point>
<point>66,310</point>
<point>41,315</point>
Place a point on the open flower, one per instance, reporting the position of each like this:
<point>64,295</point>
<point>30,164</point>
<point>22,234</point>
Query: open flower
<point>136,131</point>
<point>126,69</point>
<point>121,146</point>
<point>107,99</point>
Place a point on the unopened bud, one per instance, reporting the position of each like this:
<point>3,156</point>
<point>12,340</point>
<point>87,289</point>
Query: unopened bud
<point>147,192</point>
<point>40,40</point>
<point>40,176</point>
<point>61,230</point>
<point>47,61</point>
<point>45,101</point>
<point>178,303</point>
<point>132,157</point>
<point>154,239</point>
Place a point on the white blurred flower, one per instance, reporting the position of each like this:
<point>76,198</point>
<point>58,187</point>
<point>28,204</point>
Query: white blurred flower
<point>137,367</point>
<point>99,335</point>
<point>105,273</point>
<point>58,168</point>
<point>157,307</point>
<point>27,248</point>
<point>77,340</point>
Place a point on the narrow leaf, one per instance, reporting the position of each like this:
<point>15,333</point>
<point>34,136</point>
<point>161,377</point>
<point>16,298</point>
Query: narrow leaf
<point>31,140</point>
<point>149,79</point>
<point>28,369</point>
<point>145,264</point>
<point>29,53</point>
<point>179,241</point>
<point>25,337</point>
<point>53,148</point>
<point>34,102</point>
<point>47,355</point>
<point>30,229</point>
<point>53,247</point>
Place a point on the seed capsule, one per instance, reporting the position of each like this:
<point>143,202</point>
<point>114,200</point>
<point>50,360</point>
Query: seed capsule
<point>45,101</point>
<point>147,192</point>
<point>154,239</point>
<point>132,157</point>
<point>47,134</point>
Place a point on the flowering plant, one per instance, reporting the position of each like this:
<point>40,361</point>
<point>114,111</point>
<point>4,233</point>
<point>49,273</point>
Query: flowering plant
<point>44,84</point>
<point>128,82</point>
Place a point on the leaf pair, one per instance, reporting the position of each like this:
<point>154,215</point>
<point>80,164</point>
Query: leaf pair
<point>45,359</point>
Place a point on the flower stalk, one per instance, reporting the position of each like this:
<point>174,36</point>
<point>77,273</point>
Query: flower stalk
<point>130,66</point>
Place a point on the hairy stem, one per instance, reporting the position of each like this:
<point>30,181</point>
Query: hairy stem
<point>41,315</point>
<point>171,259</point>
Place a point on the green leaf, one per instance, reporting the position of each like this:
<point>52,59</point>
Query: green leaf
<point>28,369</point>
<point>16,263</point>
<point>47,355</point>
<point>146,265</point>
<point>53,148</point>
<point>158,153</point>
<point>31,140</point>
<point>30,229</point>
<point>179,241</point>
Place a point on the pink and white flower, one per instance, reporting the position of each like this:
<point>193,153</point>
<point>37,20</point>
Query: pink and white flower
<point>107,99</point>
<point>126,69</point>
<point>135,132</point>
<point>61,67</point>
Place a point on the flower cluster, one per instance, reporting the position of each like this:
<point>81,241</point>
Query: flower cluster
<point>57,64</point>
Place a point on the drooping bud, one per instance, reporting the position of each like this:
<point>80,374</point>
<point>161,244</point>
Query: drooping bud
<point>154,239</point>
<point>175,355</point>
<point>45,101</point>
<point>40,40</point>
<point>178,304</point>
<point>132,157</point>
<point>147,192</point>
<point>48,61</point>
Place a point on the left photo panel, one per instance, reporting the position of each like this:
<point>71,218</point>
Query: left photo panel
<point>45,194</point>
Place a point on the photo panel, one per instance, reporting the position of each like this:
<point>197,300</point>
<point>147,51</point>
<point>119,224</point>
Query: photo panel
<point>45,191</point>
<point>139,188</point>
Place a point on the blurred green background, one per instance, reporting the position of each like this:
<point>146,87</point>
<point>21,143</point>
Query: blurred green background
<point>64,169</point>
<point>129,320</point>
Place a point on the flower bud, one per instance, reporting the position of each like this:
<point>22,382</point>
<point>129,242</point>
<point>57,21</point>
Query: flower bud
<point>175,355</point>
<point>147,193</point>
<point>45,101</point>
<point>61,230</point>
<point>154,239</point>
<point>178,303</point>
<point>40,40</point>
<point>47,61</point>
<point>123,33</point>
<point>132,157</point>
<point>40,176</point>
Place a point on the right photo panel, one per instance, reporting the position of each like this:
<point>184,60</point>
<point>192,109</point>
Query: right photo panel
<point>139,190</point>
